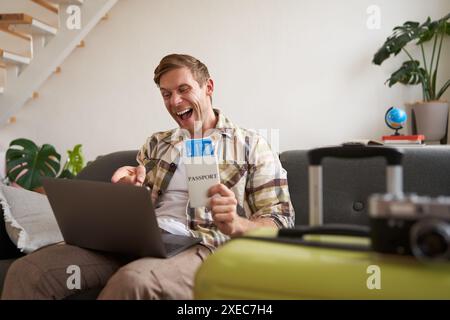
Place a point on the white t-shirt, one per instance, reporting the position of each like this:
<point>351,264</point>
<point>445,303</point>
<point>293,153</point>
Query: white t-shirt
<point>171,206</point>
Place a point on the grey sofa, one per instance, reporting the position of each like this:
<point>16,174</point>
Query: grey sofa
<point>347,185</point>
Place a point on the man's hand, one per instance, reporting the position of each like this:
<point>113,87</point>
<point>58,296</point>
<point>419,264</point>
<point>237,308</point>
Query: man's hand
<point>129,175</point>
<point>223,206</point>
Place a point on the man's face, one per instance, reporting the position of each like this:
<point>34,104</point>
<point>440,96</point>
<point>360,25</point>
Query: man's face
<point>185,100</point>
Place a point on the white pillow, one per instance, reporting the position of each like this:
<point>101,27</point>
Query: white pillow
<point>29,219</point>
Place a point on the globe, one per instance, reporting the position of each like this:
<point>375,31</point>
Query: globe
<point>395,118</point>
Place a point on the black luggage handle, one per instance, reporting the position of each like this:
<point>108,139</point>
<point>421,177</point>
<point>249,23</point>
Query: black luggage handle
<point>394,172</point>
<point>327,229</point>
<point>393,156</point>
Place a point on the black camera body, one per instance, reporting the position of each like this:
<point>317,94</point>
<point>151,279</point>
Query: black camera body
<point>411,225</point>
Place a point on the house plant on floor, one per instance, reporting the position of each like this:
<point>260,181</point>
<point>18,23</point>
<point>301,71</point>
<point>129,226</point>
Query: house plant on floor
<point>26,163</point>
<point>429,116</point>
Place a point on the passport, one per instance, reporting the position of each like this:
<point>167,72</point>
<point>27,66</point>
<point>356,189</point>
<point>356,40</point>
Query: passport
<point>202,170</point>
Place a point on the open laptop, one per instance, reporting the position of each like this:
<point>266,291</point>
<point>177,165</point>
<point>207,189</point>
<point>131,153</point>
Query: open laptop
<point>111,217</point>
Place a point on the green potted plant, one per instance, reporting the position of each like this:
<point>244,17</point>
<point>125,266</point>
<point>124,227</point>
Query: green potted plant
<point>429,116</point>
<point>26,163</point>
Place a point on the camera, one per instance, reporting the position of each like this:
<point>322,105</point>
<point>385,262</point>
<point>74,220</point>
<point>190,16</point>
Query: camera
<point>411,225</point>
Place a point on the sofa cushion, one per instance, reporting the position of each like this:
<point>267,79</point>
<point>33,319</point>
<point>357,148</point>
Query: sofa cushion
<point>29,219</point>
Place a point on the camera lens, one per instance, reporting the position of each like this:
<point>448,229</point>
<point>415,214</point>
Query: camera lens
<point>430,239</point>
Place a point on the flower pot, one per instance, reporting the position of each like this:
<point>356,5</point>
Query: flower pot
<point>430,119</point>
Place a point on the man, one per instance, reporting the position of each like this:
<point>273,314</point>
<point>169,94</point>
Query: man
<point>253,193</point>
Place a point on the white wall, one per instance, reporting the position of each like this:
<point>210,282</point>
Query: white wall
<point>300,66</point>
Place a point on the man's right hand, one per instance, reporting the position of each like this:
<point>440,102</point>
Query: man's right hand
<point>129,175</point>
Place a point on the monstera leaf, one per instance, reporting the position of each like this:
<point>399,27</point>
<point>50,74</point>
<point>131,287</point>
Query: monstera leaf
<point>411,31</point>
<point>26,163</point>
<point>402,35</point>
<point>409,73</point>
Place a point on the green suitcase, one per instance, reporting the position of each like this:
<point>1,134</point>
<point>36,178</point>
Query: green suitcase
<point>258,269</point>
<point>321,262</point>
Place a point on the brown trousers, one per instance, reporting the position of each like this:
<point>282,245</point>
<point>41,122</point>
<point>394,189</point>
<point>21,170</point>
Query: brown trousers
<point>44,274</point>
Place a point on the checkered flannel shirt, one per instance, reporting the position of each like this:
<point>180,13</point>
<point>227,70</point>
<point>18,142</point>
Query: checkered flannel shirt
<point>247,166</point>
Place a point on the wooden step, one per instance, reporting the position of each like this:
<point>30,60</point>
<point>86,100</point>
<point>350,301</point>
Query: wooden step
<point>22,22</point>
<point>77,2</point>
<point>15,33</point>
<point>8,57</point>
<point>47,5</point>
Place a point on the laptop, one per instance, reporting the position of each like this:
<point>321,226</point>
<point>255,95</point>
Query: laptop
<point>111,217</point>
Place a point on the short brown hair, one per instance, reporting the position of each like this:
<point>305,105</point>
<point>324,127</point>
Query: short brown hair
<point>175,61</point>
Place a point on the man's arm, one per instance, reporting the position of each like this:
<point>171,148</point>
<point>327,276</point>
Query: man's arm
<point>137,175</point>
<point>267,194</point>
<point>226,217</point>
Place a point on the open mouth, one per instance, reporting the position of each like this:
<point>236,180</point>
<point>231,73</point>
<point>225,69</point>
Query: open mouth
<point>185,114</point>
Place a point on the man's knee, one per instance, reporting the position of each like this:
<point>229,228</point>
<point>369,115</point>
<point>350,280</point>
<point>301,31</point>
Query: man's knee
<point>55,272</point>
<point>149,278</point>
<point>127,283</point>
<point>23,280</point>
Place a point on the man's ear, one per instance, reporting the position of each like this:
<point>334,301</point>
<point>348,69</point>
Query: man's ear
<point>209,87</point>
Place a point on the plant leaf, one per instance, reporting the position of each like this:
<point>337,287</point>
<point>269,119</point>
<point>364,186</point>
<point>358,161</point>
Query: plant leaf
<point>401,36</point>
<point>25,144</point>
<point>75,160</point>
<point>407,74</point>
<point>408,32</point>
<point>26,163</point>
<point>428,31</point>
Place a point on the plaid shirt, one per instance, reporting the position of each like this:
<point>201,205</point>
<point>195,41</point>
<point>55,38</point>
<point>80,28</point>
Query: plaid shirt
<point>247,166</point>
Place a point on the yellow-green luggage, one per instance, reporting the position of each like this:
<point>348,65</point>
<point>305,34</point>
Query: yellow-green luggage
<point>323,261</point>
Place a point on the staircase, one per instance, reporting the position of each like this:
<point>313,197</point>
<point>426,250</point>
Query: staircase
<point>49,47</point>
